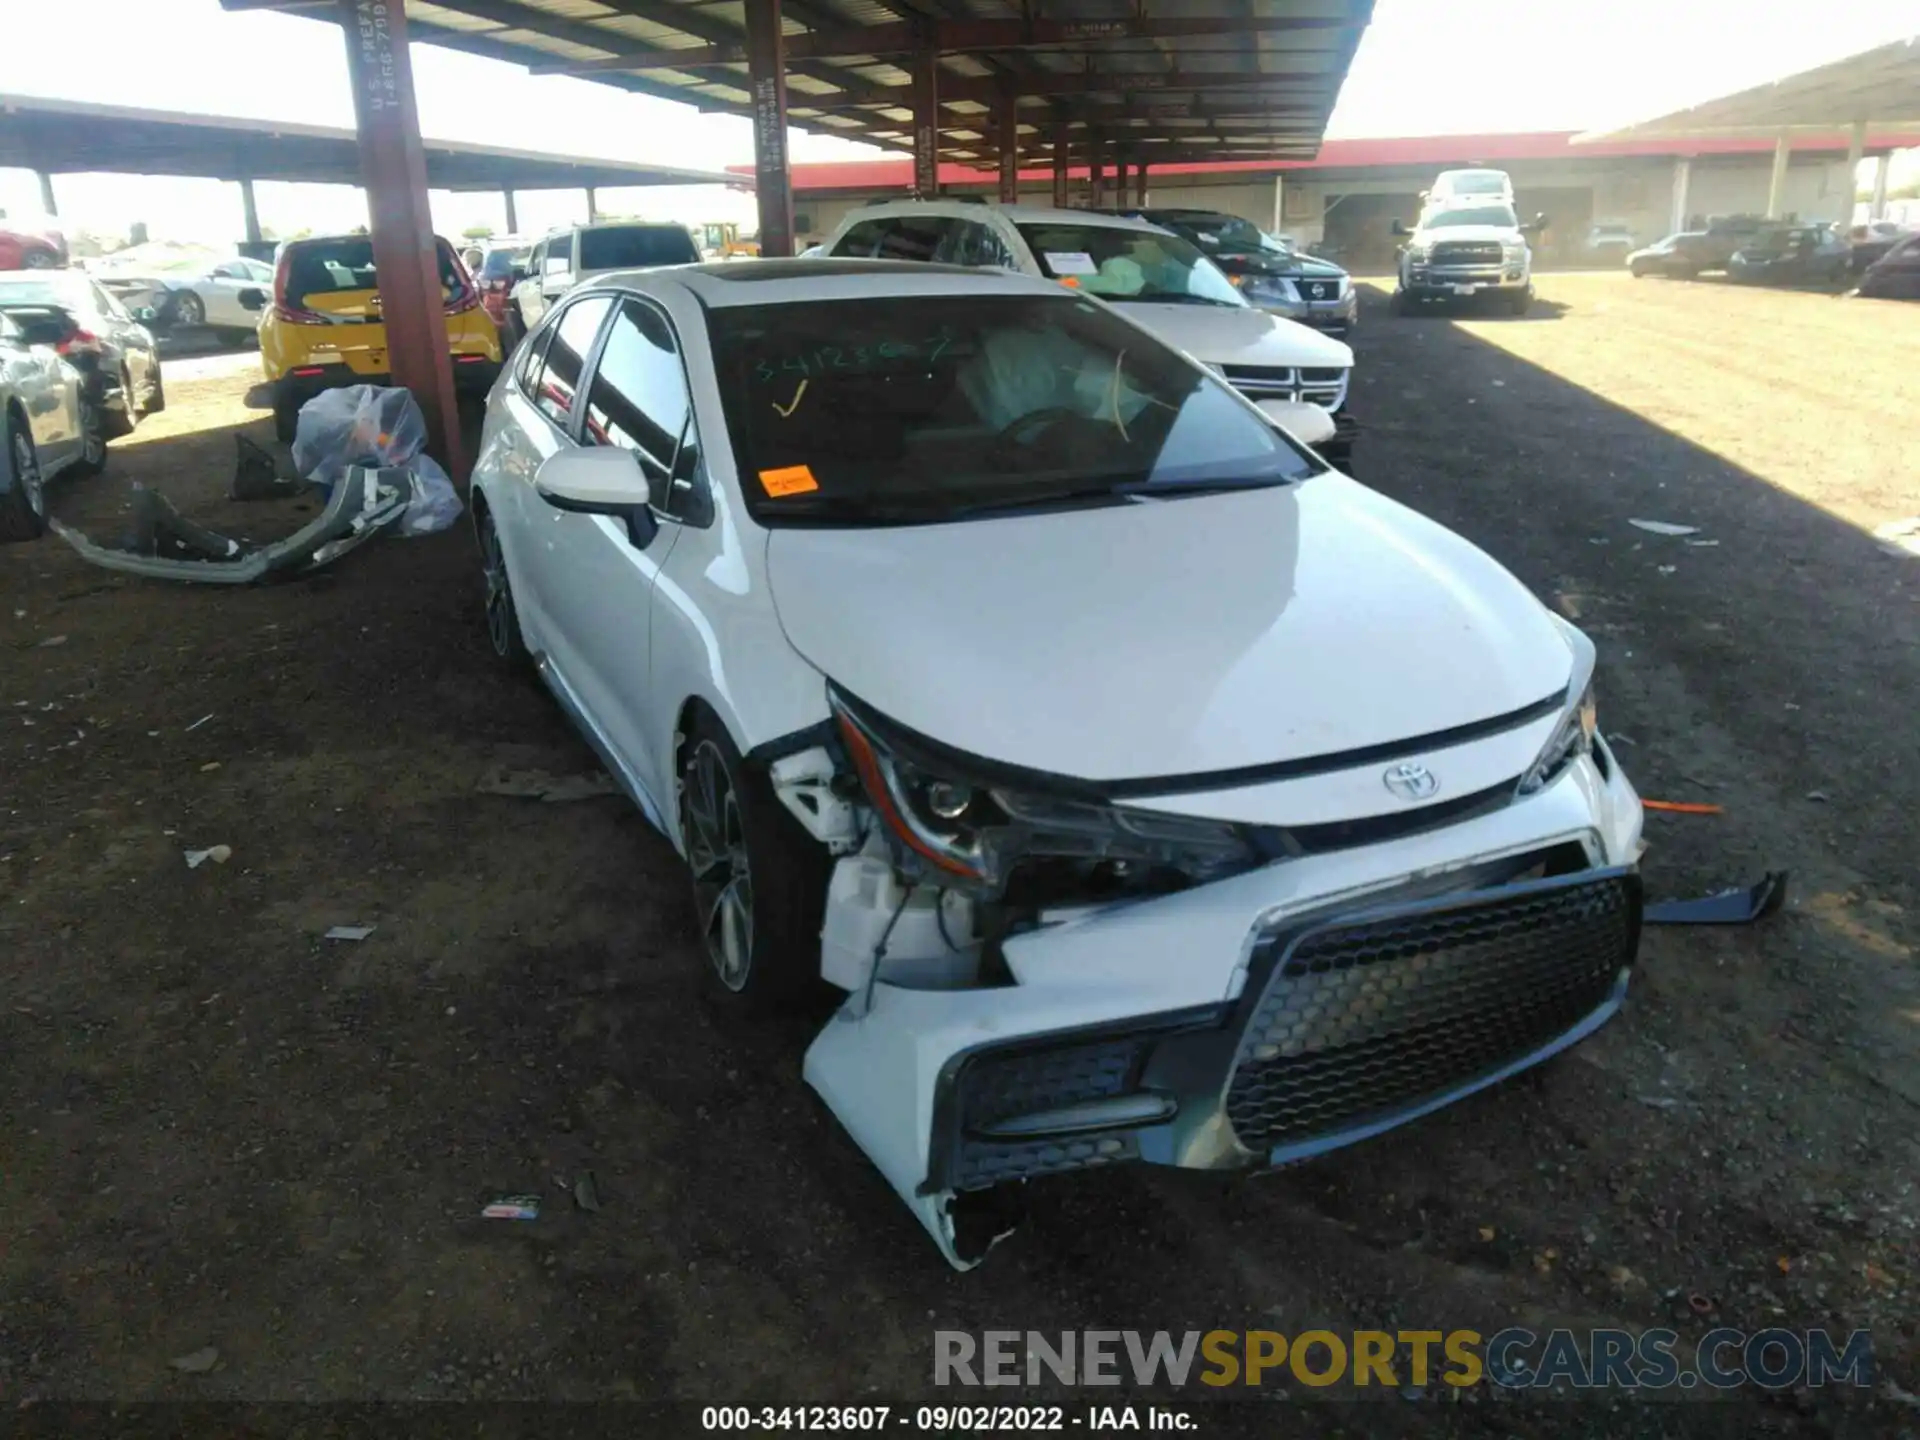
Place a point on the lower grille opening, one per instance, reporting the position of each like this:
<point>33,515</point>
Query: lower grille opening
<point>1365,1018</point>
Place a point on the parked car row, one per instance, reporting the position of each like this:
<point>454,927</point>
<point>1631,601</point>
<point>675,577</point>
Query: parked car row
<point>1770,253</point>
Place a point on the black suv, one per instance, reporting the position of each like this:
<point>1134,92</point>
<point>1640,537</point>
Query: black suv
<point>1268,271</point>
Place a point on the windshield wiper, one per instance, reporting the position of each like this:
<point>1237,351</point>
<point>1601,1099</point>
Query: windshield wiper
<point>1173,298</point>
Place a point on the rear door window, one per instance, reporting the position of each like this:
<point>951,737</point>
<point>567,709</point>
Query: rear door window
<point>557,384</point>
<point>897,237</point>
<point>636,247</point>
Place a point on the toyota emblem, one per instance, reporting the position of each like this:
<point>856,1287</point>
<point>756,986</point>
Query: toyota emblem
<point>1411,782</point>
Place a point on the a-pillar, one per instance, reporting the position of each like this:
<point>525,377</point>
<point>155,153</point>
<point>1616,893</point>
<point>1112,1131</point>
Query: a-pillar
<point>767,82</point>
<point>1856,152</point>
<point>46,193</point>
<point>1061,136</point>
<point>393,168</point>
<point>250,212</point>
<point>1879,208</point>
<point>513,217</point>
<point>1682,183</point>
<point>1777,181</point>
<point>1008,130</point>
<point>926,122</point>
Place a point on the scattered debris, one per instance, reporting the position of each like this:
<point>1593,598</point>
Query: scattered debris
<point>1702,544</point>
<point>256,474</point>
<point>51,641</point>
<point>1616,737</point>
<point>218,854</point>
<point>1664,527</point>
<point>1668,569</point>
<point>1487,1232</point>
<point>586,1194</point>
<point>1700,1304</point>
<point>512,1207</point>
<point>1725,907</point>
<point>1819,797</point>
<point>197,1363</point>
<point>350,932</point>
<point>197,724</point>
<point>376,427</point>
<point>1683,807</point>
<point>539,785</point>
<point>209,767</point>
<point>1659,1102</point>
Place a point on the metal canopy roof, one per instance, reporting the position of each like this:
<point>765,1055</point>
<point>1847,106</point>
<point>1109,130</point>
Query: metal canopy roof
<point>1163,79</point>
<point>66,136</point>
<point>1879,87</point>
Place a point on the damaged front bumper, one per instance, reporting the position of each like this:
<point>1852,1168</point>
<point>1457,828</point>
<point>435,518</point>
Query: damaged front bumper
<point>1250,1022</point>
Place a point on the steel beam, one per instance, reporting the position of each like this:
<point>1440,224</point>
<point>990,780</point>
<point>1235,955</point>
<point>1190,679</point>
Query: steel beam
<point>985,90</point>
<point>250,212</point>
<point>926,123</point>
<point>1777,180</point>
<point>393,168</point>
<point>513,217</point>
<point>767,79</point>
<point>1879,207</point>
<point>1060,139</point>
<point>948,36</point>
<point>48,201</point>
<point>1009,141</point>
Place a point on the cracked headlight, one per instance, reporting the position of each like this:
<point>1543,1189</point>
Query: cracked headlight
<point>972,828</point>
<point>1579,722</point>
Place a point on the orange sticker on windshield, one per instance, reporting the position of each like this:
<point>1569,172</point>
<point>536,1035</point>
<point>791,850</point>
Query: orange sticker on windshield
<point>788,480</point>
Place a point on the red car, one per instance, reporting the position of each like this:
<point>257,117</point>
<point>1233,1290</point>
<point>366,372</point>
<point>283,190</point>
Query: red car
<point>32,250</point>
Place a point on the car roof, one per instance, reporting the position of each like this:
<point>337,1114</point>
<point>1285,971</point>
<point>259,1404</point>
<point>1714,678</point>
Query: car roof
<point>1018,214</point>
<point>722,285</point>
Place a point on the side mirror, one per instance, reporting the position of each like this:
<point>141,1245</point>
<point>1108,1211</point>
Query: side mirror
<point>1304,421</point>
<point>1400,228</point>
<point>252,298</point>
<point>600,480</point>
<point>1534,226</point>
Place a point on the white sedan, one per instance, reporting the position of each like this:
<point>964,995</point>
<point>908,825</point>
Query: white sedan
<point>1151,790</point>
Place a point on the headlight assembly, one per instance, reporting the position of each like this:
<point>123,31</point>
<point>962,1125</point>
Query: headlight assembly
<point>970,831</point>
<point>1579,722</point>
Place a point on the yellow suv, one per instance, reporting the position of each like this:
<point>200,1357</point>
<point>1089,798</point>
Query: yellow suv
<point>322,327</point>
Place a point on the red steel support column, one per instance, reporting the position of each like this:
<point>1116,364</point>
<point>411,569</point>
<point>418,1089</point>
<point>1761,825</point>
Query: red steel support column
<point>767,81</point>
<point>1060,134</point>
<point>926,123</point>
<point>1009,133</point>
<point>393,168</point>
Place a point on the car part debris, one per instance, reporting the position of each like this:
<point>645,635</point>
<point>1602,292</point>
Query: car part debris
<point>512,1207</point>
<point>1724,907</point>
<point>256,474</point>
<point>198,723</point>
<point>375,427</point>
<point>198,1362</point>
<point>350,932</point>
<point>218,854</point>
<point>586,1193</point>
<point>539,785</point>
<point>1664,527</point>
<point>1682,807</point>
<point>362,506</point>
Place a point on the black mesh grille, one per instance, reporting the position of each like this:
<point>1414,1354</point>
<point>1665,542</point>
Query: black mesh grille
<point>996,1087</point>
<point>1467,252</point>
<point>1320,289</point>
<point>1361,1020</point>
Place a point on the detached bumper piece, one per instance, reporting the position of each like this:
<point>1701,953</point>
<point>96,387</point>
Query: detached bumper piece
<point>1349,1026</point>
<point>165,545</point>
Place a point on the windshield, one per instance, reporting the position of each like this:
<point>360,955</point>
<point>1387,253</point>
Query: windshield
<point>636,247</point>
<point>500,264</point>
<point>1231,235</point>
<point>905,410</point>
<point>1120,263</point>
<point>67,293</point>
<point>1497,215</point>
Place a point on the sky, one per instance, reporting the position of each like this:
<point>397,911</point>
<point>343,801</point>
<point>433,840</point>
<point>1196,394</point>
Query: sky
<point>1425,67</point>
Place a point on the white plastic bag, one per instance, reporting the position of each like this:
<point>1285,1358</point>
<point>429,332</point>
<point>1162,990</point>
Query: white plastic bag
<point>435,505</point>
<point>381,427</point>
<point>373,425</point>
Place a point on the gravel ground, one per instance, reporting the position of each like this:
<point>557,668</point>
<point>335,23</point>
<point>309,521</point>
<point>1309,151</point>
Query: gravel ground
<point>230,1133</point>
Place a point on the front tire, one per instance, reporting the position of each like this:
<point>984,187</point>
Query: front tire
<point>93,439</point>
<point>503,614</point>
<point>40,260</point>
<point>1518,303</point>
<point>759,880</point>
<point>23,507</point>
<point>189,310</point>
<point>157,397</point>
<point>1403,302</point>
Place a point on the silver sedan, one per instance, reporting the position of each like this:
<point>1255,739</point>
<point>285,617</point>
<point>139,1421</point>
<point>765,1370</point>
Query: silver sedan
<point>47,427</point>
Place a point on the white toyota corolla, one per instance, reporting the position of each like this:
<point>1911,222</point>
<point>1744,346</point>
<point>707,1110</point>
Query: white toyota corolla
<point>1153,791</point>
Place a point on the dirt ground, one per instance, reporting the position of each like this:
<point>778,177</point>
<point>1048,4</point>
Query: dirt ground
<point>228,1132</point>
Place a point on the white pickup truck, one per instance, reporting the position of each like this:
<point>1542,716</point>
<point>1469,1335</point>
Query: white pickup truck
<point>1469,245</point>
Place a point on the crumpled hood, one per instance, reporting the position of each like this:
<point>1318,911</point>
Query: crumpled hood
<point>1223,335</point>
<point>1170,638</point>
